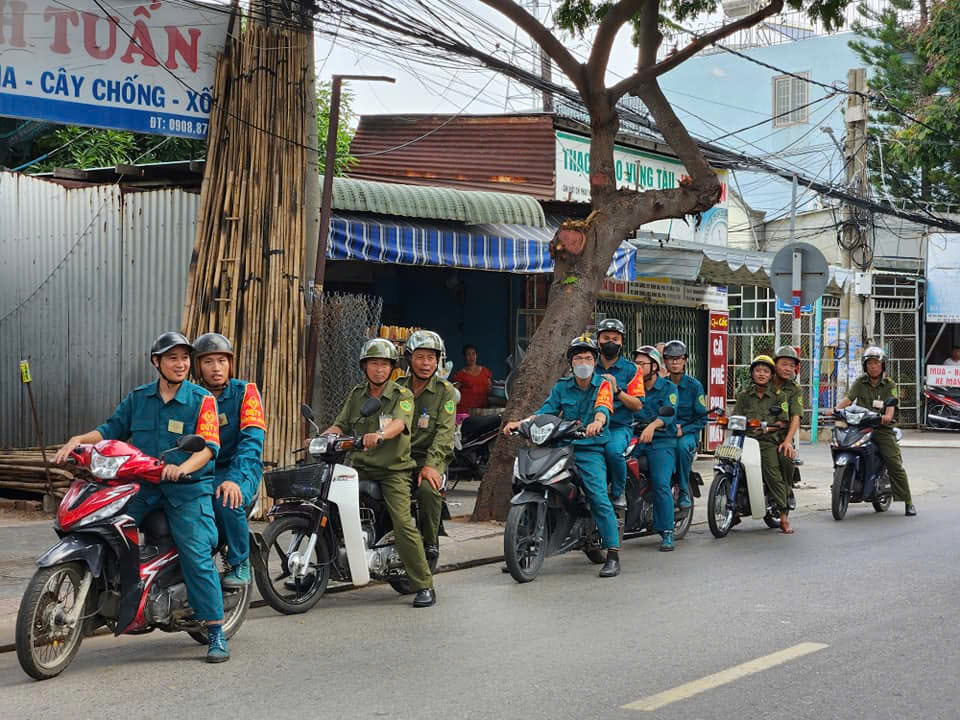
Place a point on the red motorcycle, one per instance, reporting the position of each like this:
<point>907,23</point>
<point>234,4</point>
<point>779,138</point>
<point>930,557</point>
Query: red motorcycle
<point>943,407</point>
<point>101,573</point>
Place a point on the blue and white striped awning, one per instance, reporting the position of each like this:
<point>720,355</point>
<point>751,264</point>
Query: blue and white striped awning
<point>502,248</point>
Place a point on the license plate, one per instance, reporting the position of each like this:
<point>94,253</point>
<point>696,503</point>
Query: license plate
<point>729,452</point>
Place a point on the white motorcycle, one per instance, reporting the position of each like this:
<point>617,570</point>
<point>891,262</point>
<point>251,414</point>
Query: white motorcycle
<point>738,488</point>
<point>328,524</point>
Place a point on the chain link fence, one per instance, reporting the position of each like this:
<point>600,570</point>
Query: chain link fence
<point>348,321</point>
<point>895,330</point>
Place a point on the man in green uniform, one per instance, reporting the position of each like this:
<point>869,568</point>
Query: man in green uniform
<point>755,403</point>
<point>871,390</point>
<point>787,362</point>
<point>434,425</point>
<point>386,455</point>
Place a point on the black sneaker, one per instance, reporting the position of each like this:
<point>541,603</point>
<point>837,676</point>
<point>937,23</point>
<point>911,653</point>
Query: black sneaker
<point>910,510</point>
<point>426,597</point>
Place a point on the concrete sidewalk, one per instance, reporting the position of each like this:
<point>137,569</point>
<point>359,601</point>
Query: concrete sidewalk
<point>467,543</point>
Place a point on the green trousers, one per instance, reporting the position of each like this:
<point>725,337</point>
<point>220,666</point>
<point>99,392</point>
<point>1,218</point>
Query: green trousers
<point>772,464</point>
<point>396,495</point>
<point>887,444</point>
<point>431,508</point>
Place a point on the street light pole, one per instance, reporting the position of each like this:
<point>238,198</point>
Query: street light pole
<point>316,300</point>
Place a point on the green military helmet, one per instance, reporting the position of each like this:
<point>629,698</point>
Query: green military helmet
<point>426,340</point>
<point>651,352</point>
<point>787,351</point>
<point>379,348</point>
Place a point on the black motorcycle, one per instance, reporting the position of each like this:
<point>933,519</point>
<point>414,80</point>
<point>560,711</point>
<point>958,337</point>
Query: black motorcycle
<point>638,519</point>
<point>471,450</point>
<point>549,513</point>
<point>859,474</point>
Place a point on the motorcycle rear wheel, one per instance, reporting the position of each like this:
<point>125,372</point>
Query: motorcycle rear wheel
<point>840,491</point>
<point>719,513</point>
<point>36,622</point>
<point>524,553</point>
<point>883,504</point>
<point>683,521</point>
<point>304,596</point>
<point>232,619</point>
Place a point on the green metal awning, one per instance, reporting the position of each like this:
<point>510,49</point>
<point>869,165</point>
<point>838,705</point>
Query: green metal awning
<point>473,207</point>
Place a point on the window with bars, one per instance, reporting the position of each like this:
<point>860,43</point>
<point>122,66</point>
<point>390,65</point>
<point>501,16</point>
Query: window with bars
<point>790,98</point>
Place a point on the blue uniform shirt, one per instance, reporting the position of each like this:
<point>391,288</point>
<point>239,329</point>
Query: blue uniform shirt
<point>242,432</point>
<point>691,406</point>
<point>662,393</point>
<point>568,401</point>
<point>629,380</point>
<point>152,426</point>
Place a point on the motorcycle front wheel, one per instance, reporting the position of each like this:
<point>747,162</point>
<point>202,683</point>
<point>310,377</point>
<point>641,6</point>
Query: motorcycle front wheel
<point>840,491</point>
<point>523,550</point>
<point>278,586</point>
<point>402,584</point>
<point>45,644</point>
<point>719,511</point>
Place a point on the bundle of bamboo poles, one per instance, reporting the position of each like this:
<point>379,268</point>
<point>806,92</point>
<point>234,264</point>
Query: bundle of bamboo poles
<point>245,274</point>
<point>25,470</point>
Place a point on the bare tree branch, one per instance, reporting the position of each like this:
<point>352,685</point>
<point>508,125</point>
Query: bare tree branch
<point>650,35</point>
<point>545,39</point>
<point>603,41</point>
<point>644,74</point>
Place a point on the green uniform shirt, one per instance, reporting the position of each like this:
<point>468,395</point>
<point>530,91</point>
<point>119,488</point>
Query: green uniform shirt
<point>866,394</point>
<point>758,408</point>
<point>790,397</point>
<point>434,423</point>
<point>396,402</point>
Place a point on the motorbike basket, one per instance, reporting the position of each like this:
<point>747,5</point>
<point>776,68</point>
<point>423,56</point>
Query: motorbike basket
<point>294,481</point>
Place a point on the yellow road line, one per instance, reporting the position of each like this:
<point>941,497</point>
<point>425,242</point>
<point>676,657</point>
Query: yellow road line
<point>682,692</point>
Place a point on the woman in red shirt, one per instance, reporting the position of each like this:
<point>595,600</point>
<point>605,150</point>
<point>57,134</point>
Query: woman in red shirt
<point>473,381</point>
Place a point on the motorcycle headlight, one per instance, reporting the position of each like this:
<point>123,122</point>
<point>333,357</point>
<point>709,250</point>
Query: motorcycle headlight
<point>104,467</point>
<point>737,422</point>
<point>319,445</point>
<point>104,512</point>
<point>540,433</point>
<point>554,469</point>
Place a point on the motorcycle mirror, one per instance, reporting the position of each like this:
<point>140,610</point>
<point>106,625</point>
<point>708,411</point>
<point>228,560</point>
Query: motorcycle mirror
<point>306,411</point>
<point>370,407</point>
<point>667,411</point>
<point>191,443</point>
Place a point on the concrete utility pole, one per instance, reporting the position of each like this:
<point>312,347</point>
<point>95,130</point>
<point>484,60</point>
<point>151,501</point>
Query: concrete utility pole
<point>855,158</point>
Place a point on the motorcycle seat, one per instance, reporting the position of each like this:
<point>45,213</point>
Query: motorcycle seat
<point>479,425</point>
<point>155,525</point>
<point>371,489</point>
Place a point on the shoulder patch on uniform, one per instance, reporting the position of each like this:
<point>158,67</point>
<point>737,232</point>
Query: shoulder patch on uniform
<point>702,399</point>
<point>673,398</point>
<point>208,423</point>
<point>450,406</point>
<point>406,405</point>
<point>251,409</point>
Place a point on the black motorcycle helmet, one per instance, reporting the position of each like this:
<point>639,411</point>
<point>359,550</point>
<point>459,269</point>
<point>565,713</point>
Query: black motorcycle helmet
<point>675,348</point>
<point>209,344</point>
<point>164,343</point>
<point>581,343</point>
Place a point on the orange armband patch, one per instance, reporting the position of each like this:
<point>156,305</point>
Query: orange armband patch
<point>251,409</point>
<point>636,388</point>
<point>208,423</point>
<point>604,397</point>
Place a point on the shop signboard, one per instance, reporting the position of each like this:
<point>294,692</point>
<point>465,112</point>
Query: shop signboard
<point>149,67</point>
<point>638,170</point>
<point>667,291</point>
<point>717,367</point>
<point>943,375</point>
<point>943,290</point>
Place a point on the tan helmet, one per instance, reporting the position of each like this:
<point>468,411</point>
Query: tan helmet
<point>763,360</point>
<point>379,348</point>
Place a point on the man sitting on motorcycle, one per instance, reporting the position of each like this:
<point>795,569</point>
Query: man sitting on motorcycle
<point>787,363</point>
<point>587,397</point>
<point>386,457</point>
<point>691,413</point>
<point>239,465</point>
<point>755,403</point>
<point>434,417</point>
<point>871,390</point>
<point>152,418</point>
<point>626,383</point>
<point>658,439</point>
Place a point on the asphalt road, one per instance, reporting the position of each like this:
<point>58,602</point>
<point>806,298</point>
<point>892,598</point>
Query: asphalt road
<point>879,592</point>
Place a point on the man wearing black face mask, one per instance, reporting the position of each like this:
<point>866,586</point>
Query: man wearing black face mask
<point>626,382</point>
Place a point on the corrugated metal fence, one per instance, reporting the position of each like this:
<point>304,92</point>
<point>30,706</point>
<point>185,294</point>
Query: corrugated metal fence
<point>88,277</point>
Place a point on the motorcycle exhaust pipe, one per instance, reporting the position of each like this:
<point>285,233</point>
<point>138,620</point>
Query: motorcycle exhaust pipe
<point>941,418</point>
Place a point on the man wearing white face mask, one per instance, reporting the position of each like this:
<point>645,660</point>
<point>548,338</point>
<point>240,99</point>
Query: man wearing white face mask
<point>587,397</point>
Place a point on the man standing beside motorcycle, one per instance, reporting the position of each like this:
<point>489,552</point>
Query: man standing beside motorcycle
<point>691,413</point>
<point>787,364</point>
<point>755,403</point>
<point>239,465</point>
<point>587,397</point>
<point>431,443</point>
<point>152,418</point>
<point>626,383</point>
<point>871,390</point>
<point>658,439</point>
<point>386,457</point>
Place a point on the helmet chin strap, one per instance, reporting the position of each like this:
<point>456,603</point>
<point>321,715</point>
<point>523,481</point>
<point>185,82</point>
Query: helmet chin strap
<point>170,383</point>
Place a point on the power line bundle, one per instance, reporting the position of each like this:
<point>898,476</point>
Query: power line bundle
<point>249,254</point>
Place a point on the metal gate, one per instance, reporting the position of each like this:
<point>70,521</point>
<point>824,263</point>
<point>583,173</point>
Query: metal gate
<point>895,329</point>
<point>662,323</point>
